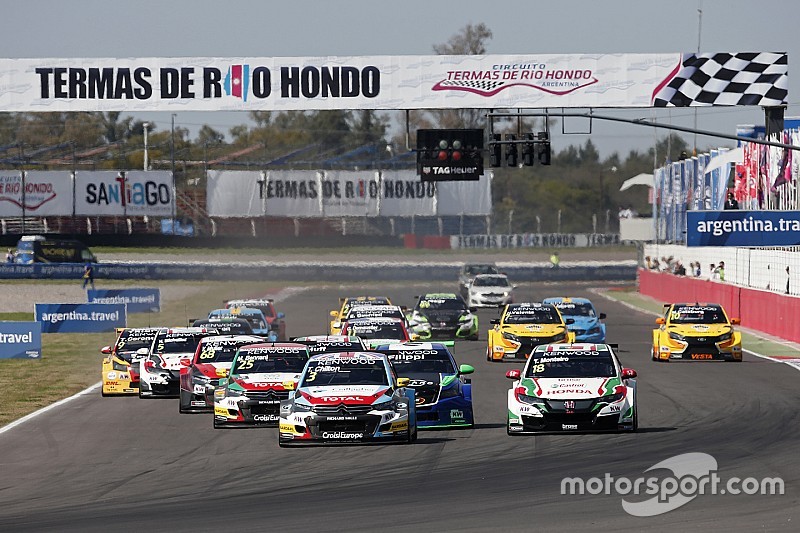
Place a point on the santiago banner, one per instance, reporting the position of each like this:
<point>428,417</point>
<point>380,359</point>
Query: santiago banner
<point>394,82</point>
<point>20,340</point>
<point>137,300</point>
<point>743,228</point>
<point>134,193</point>
<point>80,318</point>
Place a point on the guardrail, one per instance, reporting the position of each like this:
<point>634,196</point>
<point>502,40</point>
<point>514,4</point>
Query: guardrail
<point>330,271</point>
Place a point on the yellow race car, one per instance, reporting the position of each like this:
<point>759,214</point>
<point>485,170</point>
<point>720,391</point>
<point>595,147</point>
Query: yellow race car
<point>346,303</point>
<point>522,327</point>
<point>119,376</point>
<point>696,332</point>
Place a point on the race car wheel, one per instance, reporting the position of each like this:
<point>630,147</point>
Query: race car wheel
<point>103,394</point>
<point>655,355</point>
<point>508,429</point>
<point>216,425</point>
<point>635,420</point>
<point>488,355</point>
<point>473,337</point>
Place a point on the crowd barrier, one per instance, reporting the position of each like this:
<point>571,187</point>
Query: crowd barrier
<point>761,310</point>
<point>327,271</point>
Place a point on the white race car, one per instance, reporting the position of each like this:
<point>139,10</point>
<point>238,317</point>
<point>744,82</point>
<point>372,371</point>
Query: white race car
<point>572,387</point>
<point>160,370</point>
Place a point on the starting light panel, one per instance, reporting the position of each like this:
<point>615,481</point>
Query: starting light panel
<point>450,154</point>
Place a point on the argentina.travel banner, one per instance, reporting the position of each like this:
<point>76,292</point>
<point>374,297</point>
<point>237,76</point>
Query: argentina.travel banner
<point>742,228</point>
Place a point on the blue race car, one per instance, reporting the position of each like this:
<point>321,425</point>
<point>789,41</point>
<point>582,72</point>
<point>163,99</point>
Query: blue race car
<point>443,395</point>
<point>587,324</point>
<point>258,322</point>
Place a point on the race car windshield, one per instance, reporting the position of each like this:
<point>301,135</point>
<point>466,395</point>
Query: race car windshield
<point>474,270</point>
<point>127,345</point>
<point>441,304</point>
<point>423,361</point>
<point>559,365</point>
<point>179,344</point>
<point>334,347</point>
<point>539,315</point>
<point>491,281</point>
<point>576,309</point>
<point>226,327</point>
<point>345,372</point>
<point>697,315</point>
<point>264,364</point>
<point>377,331</point>
<point>218,353</point>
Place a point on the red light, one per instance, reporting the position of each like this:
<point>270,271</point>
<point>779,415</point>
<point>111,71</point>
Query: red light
<point>456,156</point>
<point>442,156</point>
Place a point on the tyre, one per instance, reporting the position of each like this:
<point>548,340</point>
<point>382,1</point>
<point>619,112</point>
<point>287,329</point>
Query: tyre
<point>216,424</point>
<point>488,355</point>
<point>508,430</point>
<point>474,337</point>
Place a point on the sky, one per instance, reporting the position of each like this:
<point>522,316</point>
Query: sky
<point>266,28</point>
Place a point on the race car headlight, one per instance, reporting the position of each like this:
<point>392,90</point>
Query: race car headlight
<point>301,408</point>
<point>725,337</point>
<point>560,337</point>
<point>120,366</point>
<point>594,331</point>
<point>391,405</point>
<point>510,336</point>
<point>202,380</point>
<point>677,336</point>
<point>611,398</point>
<point>234,393</point>
<point>530,400</point>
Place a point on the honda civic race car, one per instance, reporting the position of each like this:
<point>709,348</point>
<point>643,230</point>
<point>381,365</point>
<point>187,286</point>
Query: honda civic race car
<point>586,323</point>
<point>120,372</point>
<point>344,307</point>
<point>267,306</point>
<point>696,332</point>
<point>211,362</point>
<point>443,316</point>
<point>260,377</point>
<point>159,371</point>
<point>522,327</point>
<point>349,397</point>
<point>443,395</point>
<point>572,387</point>
<point>375,331</point>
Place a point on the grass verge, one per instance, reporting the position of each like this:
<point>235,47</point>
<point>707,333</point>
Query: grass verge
<point>70,362</point>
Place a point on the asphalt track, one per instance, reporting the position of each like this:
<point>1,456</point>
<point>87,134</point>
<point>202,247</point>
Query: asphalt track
<point>124,464</point>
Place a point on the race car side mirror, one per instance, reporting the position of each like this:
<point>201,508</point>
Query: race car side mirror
<point>142,351</point>
<point>403,382</point>
<point>736,321</point>
<point>628,373</point>
<point>660,320</point>
<point>289,384</point>
<point>473,309</point>
<point>186,362</point>
<point>513,374</point>
<point>494,321</point>
<point>569,321</point>
<point>106,350</point>
<point>334,314</point>
<point>466,369</point>
<point>281,315</point>
<point>602,316</point>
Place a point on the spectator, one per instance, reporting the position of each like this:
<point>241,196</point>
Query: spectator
<point>787,279</point>
<point>680,270</point>
<point>721,271</point>
<point>697,273</point>
<point>10,256</point>
<point>88,275</point>
<point>656,266</point>
<point>712,272</point>
<point>648,262</point>
<point>554,260</point>
<point>731,202</point>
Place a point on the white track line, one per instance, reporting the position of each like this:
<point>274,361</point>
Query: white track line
<point>43,410</point>
<point>794,363</point>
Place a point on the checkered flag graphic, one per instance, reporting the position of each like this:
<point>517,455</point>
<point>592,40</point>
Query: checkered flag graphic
<point>482,87</point>
<point>747,78</point>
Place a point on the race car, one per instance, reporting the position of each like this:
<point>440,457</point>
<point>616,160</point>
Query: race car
<point>490,290</point>
<point>318,344</point>
<point>375,331</point>
<point>261,376</point>
<point>255,317</point>
<point>120,370</point>
<point>159,371</point>
<point>267,306</point>
<point>443,395</point>
<point>346,303</point>
<point>212,361</point>
<point>586,323</point>
<point>443,316</point>
<point>469,271</point>
<point>370,311</point>
<point>572,387</point>
<point>349,397</point>
<point>524,326</point>
<point>699,331</point>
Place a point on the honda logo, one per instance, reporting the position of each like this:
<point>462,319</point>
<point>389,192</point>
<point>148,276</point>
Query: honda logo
<point>569,405</point>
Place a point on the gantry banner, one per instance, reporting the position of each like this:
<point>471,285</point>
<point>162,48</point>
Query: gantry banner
<point>394,82</point>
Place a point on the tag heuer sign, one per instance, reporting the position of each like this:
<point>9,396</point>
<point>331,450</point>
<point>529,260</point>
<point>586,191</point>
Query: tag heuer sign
<point>450,155</point>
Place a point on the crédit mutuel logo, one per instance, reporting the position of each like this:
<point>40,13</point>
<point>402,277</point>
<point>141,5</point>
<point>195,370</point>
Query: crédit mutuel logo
<point>693,474</point>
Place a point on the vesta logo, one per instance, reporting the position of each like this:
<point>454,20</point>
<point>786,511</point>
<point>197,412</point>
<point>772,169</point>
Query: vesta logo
<point>123,192</point>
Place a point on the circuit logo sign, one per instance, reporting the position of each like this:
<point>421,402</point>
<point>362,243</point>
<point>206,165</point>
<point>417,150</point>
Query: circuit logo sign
<point>691,475</point>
